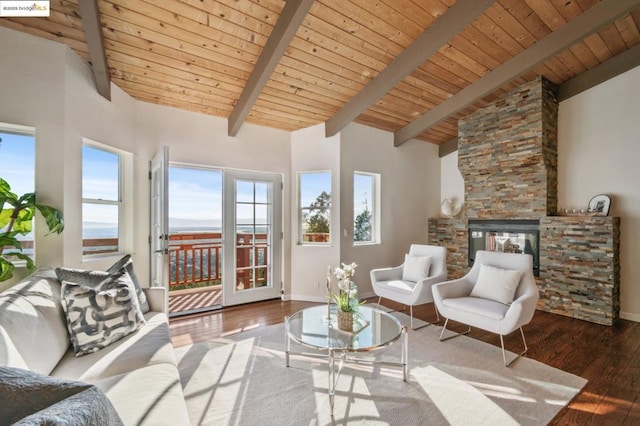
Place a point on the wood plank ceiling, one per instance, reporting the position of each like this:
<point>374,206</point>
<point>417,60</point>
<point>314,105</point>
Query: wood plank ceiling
<point>197,55</point>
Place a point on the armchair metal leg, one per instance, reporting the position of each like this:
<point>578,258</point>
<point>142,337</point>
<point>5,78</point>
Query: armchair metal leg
<point>379,299</point>
<point>504,356</point>
<point>411,315</point>
<point>437,315</point>
<point>444,327</point>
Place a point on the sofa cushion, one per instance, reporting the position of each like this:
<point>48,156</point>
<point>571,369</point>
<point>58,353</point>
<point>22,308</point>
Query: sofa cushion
<point>99,316</point>
<point>415,268</point>
<point>33,331</point>
<point>30,398</point>
<point>150,345</point>
<point>94,278</point>
<point>147,396</point>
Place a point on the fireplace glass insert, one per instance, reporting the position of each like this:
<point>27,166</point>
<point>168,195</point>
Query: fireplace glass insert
<point>508,236</point>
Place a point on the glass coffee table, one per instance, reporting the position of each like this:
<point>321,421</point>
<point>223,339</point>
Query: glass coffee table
<point>310,327</point>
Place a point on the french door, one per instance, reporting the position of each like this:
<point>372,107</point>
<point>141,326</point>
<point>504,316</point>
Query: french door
<point>252,237</point>
<point>250,255</point>
<point>159,218</point>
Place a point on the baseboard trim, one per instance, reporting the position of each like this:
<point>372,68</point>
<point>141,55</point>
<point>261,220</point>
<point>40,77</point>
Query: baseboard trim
<point>630,317</point>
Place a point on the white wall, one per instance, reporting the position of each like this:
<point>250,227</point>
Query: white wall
<point>410,194</point>
<point>312,151</point>
<point>598,152</point>
<point>452,182</point>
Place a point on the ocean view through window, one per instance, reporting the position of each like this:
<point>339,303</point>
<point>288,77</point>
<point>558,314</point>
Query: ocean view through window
<point>101,200</point>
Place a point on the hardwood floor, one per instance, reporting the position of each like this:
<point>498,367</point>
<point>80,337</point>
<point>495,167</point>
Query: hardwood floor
<point>609,357</point>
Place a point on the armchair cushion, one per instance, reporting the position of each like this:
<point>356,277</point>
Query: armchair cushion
<point>415,268</point>
<point>473,305</point>
<point>496,284</point>
<point>399,286</point>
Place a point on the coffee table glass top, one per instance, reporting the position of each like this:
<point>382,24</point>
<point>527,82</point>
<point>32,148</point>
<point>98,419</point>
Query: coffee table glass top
<point>311,327</point>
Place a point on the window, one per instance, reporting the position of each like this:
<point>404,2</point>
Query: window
<point>365,208</point>
<point>101,200</point>
<point>315,207</point>
<point>17,167</point>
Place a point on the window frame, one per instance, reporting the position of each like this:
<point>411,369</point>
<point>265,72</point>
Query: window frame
<point>375,208</point>
<point>301,209</point>
<point>125,163</point>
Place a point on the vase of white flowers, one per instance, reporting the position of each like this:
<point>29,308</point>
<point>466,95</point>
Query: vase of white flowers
<point>347,296</point>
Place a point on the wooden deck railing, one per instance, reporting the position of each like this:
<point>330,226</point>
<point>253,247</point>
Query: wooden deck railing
<point>194,258</point>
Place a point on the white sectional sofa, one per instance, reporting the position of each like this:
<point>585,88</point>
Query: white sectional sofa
<point>138,373</point>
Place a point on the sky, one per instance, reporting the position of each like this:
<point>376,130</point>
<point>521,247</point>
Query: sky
<point>17,161</point>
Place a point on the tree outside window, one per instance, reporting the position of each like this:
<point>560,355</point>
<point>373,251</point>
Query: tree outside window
<point>315,207</point>
<point>364,208</point>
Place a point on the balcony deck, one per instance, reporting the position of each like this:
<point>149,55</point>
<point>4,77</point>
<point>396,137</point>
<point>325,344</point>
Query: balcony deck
<point>194,300</point>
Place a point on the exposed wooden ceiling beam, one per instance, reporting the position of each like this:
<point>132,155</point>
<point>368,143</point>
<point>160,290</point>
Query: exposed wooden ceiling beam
<point>590,21</point>
<point>290,19</point>
<point>454,20</point>
<point>448,147</point>
<point>93,31</point>
<point>615,66</point>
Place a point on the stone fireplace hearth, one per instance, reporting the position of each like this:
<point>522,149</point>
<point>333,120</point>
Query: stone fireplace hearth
<point>507,155</point>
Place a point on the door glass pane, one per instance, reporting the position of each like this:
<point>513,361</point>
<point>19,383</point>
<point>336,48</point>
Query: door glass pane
<point>261,214</point>
<point>244,214</point>
<point>244,192</point>
<point>195,239</point>
<point>261,192</point>
<point>253,234</point>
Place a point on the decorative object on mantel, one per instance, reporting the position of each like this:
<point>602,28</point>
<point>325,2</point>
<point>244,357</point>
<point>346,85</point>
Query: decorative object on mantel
<point>449,209</point>
<point>347,296</point>
<point>600,205</point>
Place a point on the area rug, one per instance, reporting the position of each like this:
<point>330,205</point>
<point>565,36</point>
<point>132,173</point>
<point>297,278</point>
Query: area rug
<point>242,380</point>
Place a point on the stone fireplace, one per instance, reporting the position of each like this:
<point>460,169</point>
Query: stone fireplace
<point>507,155</point>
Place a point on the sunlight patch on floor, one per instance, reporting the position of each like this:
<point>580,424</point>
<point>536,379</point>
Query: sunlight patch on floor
<point>459,401</point>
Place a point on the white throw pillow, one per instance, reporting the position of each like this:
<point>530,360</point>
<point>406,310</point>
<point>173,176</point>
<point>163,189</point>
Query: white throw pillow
<point>416,268</point>
<point>496,284</point>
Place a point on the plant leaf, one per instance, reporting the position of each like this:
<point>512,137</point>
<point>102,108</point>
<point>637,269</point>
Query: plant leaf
<point>31,266</point>
<point>5,217</point>
<point>8,240</point>
<point>28,199</point>
<point>6,269</point>
<point>24,221</point>
<point>53,217</point>
<point>6,196</point>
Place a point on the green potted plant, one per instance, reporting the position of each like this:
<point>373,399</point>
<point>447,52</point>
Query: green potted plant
<point>16,218</point>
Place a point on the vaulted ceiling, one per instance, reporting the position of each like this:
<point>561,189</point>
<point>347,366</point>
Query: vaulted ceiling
<point>412,67</point>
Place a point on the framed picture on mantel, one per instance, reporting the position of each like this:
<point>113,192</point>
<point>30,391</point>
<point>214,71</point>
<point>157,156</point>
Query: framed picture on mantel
<point>599,205</point>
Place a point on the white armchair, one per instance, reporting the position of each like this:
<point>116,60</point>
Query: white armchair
<point>389,282</point>
<point>463,301</point>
